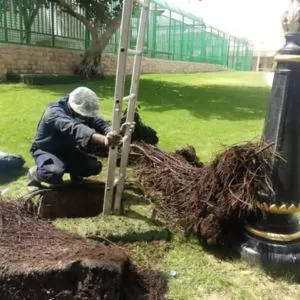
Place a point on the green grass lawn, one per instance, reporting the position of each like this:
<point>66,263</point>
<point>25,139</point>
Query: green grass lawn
<point>209,111</point>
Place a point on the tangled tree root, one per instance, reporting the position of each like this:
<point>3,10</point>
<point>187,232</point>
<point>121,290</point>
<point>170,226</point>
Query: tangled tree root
<point>142,132</point>
<point>90,66</point>
<point>189,154</point>
<point>211,201</point>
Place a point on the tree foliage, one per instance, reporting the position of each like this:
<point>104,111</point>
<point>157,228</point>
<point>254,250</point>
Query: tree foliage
<point>102,11</point>
<point>102,18</point>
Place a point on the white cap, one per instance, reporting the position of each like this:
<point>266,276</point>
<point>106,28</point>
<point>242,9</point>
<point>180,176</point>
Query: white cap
<point>84,102</point>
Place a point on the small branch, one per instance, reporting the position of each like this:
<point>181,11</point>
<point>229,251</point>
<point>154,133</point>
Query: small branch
<point>99,45</point>
<point>68,9</point>
<point>264,148</point>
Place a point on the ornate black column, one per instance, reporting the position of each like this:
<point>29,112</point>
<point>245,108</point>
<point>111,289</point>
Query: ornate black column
<point>273,239</point>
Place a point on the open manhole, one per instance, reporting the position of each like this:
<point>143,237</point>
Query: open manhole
<point>68,200</point>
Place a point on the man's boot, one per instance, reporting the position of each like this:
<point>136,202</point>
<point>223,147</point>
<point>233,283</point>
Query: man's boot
<point>76,179</point>
<point>34,183</point>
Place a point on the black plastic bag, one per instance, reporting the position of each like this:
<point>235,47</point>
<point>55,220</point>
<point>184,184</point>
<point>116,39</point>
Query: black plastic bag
<point>10,162</point>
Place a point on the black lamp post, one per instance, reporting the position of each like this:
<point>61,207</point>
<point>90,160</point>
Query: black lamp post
<point>273,240</point>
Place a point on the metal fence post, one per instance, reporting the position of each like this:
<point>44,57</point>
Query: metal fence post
<point>5,22</point>
<point>52,25</point>
<point>211,59</point>
<point>87,33</point>
<point>244,57</point>
<point>203,44</point>
<point>20,10</point>
<point>223,49</point>
<point>192,48</point>
<point>169,38</point>
<point>116,41</point>
<point>234,54</point>
<point>228,50</point>
<point>182,38</point>
<point>154,26</point>
<point>251,58</point>
<point>238,56</point>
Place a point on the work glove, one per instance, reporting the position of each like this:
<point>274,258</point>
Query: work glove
<point>125,125</point>
<point>112,139</point>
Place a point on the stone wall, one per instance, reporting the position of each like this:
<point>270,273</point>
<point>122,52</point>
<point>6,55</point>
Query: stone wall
<point>109,64</point>
<point>38,60</point>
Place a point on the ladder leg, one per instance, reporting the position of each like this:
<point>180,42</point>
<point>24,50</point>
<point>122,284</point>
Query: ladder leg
<point>118,101</point>
<point>132,102</point>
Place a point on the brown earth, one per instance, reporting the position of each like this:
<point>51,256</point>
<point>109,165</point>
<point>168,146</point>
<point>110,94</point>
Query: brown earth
<point>38,261</point>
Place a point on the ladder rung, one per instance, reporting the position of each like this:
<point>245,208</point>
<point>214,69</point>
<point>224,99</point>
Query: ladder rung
<point>125,138</point>
<point>135,52</point>
<point>118,179</point>
<point>129,97</point>
<point>143,5</point>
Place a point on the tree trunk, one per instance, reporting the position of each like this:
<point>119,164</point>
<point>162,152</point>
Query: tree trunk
<point>27,24</point>
<point>90,65</point>
<point>28,34</point>
<point>29,14</point>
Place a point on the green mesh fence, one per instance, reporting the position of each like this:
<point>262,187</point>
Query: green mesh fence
<point>172,34</point>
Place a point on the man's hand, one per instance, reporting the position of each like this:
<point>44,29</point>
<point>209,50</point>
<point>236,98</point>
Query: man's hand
<point>112,139</point>
<point>125,125</point>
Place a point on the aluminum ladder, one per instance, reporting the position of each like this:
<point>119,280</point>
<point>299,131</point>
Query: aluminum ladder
<point>116,178</point>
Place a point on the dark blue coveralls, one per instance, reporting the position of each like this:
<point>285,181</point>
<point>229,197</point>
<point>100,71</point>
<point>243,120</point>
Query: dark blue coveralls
<point>60,141</point>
